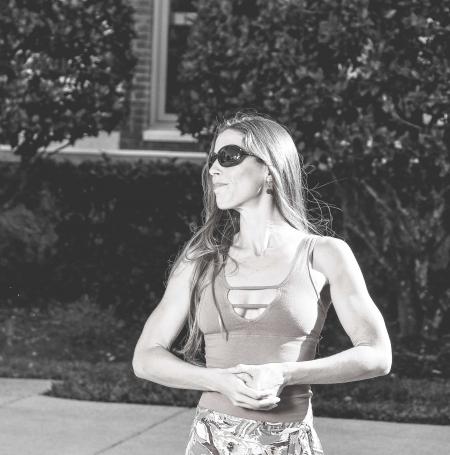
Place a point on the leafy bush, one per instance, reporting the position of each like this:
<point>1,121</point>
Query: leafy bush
<point>117,382</point>
<point>108,233</point>
<point>117,225</point>
<point>387,398</point>
<point>364,88</point>
<point>345,77</point>
<point>64,70</point>
<point>84,326</point>
<point>76,331</point>
<point>27,242</point>
<point>390,398</point>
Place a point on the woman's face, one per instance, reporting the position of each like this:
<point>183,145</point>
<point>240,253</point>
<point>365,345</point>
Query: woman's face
<point>244,182</point>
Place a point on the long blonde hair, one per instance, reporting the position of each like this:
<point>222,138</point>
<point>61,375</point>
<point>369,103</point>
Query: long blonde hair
<point>209,246</point>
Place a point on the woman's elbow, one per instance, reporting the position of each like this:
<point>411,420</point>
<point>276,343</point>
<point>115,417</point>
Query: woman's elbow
<point>383,369</point>
<point>377,361</point>
<point>138,365</point>
<point>143,359</point>
<point>384,364</point>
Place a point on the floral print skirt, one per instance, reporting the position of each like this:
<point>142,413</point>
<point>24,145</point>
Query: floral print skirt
<point>215,433</point>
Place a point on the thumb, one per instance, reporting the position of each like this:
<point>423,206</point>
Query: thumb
<point>244,377</point>
<point>238,369</point>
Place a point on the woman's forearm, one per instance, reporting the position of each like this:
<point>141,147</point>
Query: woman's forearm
<point>158,365</point>
<point>354,364</point>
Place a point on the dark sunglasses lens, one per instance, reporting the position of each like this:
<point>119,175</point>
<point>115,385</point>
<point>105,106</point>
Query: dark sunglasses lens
<point>231,155</point>
<point>228,156</point>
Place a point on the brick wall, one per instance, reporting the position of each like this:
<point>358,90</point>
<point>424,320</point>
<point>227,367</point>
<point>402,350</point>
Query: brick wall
<point>139,98</point>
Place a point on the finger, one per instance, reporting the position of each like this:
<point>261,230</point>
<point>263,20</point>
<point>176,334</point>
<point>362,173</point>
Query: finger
<point>260,404</point>
<point>244,377</point>
<point>267,402</point>
<point>260,392</point>
<point>256,394</point>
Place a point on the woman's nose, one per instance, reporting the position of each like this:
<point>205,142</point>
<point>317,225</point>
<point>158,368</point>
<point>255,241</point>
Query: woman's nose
<point>214,167</point>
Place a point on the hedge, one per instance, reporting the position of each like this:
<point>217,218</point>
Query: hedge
<point>108,230</point>
<point>65,67</point>
<point>364,89</point>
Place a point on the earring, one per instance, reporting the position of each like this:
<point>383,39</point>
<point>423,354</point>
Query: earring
<point>269,190</point>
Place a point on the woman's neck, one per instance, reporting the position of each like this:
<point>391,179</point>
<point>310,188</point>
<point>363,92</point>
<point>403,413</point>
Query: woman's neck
<point>264,239</point>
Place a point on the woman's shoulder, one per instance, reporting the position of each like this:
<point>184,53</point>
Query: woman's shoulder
<point>330,253</point>
<point>328,240</point>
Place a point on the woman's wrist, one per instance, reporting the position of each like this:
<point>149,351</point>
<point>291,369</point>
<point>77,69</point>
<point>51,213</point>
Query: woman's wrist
<point>212,378</point>
<point>294,373</point>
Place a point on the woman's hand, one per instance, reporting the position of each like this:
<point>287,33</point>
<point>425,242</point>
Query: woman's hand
<point>234,387</point>
<point>269,376</point>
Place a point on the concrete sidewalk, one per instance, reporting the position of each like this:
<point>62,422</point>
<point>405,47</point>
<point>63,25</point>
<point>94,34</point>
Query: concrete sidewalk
<point>33,424</point>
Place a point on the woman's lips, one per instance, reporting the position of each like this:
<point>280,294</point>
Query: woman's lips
<point>219,185</point>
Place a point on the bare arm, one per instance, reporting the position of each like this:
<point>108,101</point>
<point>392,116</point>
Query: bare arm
<point>152,360</point>
<point>371,354</point>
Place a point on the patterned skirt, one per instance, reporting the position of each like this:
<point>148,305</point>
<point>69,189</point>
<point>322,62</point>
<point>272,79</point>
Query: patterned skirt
<point>215,433</point>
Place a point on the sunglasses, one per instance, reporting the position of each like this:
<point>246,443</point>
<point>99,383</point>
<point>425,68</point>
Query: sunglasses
<point>228,156</point>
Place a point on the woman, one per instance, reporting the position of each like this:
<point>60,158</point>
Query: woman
<point>261,321</point>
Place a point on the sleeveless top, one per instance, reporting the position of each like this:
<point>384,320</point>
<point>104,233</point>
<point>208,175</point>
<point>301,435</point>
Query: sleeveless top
<point>288,330</point>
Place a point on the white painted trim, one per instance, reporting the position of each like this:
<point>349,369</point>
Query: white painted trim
<point>7,155</point>
<point>166,135</point>
<point>161,13</point>
<point>161,24</point>
<point>156,37</point>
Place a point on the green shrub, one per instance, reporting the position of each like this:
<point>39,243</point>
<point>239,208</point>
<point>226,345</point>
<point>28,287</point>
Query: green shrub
<point>117,382</point>
<point>389,399</point>
<point>84,326</point>
<point>117,226</point>
<point>27,244</point>
<point>108,231</point>
<point>74,331</point>
<point>364,89</point>
<point>64,70</point>
<point>336,73</point>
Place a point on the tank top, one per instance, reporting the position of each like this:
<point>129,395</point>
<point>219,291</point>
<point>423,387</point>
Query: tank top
<point>288,330</point>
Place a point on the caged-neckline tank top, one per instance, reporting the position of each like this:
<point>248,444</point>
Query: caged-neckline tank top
<point>277,287</point>
<point>287,330</point>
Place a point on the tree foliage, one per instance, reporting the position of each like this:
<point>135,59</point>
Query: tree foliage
<point>64,70</point>
<point>346,77</point>
<point>364,88</point>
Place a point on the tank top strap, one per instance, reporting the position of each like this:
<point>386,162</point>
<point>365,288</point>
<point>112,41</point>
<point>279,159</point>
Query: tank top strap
<point>309,260</point>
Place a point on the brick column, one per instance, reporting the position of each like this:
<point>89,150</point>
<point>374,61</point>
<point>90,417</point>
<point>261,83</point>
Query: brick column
<point>139,96</point>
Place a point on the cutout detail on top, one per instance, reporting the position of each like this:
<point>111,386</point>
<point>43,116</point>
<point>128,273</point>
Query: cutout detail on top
<point>251,304</point>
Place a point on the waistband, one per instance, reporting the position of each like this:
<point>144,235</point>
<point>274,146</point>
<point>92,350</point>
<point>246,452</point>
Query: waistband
<point>292,409</point>
<point>235,420</point>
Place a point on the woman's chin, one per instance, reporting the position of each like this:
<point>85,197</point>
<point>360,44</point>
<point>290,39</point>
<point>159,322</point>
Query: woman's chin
<point>222,205</point>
